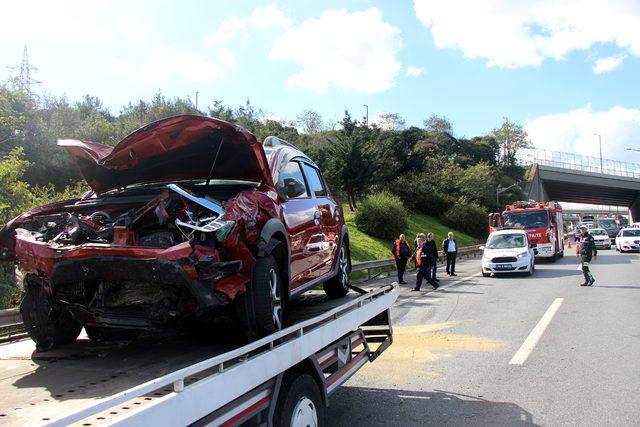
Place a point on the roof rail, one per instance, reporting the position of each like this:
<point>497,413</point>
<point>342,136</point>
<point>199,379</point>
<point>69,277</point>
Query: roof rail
<point>274,141</point>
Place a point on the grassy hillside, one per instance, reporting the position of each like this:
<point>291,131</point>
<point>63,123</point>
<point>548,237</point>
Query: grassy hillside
<point>366,248</point>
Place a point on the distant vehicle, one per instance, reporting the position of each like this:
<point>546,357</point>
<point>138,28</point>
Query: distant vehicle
<point>508,251</point>
<point>588,218</point>
<point>601,238</point>
<point>609,224</point>
<point>634,225</point>
<point>628,239</point>
<point>542,220</point>
<point>623,222</point>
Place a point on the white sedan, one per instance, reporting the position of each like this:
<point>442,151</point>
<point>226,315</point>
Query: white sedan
<point>601,238</point>
<point>628,239</point>
<point>508,251</point>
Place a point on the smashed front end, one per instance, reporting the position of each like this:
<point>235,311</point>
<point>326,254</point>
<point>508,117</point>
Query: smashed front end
<point>173,259</point>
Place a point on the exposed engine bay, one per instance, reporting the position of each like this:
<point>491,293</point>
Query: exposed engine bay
<point>144,258</point>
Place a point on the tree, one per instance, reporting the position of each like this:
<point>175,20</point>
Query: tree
<point>438,124</point>
<point>511,138</point>
<point>389,121</point>
<point>348,163</point>
<point>310,121</point>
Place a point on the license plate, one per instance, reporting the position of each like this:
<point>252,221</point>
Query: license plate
<point>503,266</point>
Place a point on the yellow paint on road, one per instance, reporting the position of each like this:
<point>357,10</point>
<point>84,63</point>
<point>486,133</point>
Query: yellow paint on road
<point>415,347</point>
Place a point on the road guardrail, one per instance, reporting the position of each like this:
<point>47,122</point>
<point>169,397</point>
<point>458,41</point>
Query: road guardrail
<point>387,265</point>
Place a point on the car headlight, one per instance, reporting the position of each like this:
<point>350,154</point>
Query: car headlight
<point>523,254</point>
<point>486,255</point>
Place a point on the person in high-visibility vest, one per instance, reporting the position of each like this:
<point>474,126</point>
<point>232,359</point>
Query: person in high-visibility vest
<point>401,253</point>
<point>586,249</point>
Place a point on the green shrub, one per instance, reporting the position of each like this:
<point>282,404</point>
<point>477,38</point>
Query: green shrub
<point>417,194</point>
<point>467,217</point>
<point>382,215</point>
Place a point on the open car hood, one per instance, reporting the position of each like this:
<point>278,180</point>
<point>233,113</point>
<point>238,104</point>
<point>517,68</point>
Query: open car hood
<point>176,148</point>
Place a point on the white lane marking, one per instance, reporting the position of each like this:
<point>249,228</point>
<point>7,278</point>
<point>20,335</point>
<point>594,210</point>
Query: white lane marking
<point>530,343</point>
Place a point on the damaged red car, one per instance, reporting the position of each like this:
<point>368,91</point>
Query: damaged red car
<point>190,219</point>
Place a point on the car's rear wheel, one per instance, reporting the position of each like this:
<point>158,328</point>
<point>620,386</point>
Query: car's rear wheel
<point>47,327</point>
<point>261,307</point>
<point>338,285</point>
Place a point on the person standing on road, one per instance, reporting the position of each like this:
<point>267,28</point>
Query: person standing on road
<point>401,253</point>
<point>424,260</point>
<point>433,255</point>
<point>450,250</point>
<point>419,241</point>
<point>586,250</point>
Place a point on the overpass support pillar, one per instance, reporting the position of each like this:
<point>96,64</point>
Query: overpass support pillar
<point>634,210</point>
<point>537,191</point>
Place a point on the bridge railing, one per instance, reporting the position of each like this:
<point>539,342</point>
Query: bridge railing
<point>581,163</point>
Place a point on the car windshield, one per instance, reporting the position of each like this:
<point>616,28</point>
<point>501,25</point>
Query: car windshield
<point>607,223</point>
<point>506,241</point>
<point>534,219</point>
<point>598,232</point>
<point>631,233</point>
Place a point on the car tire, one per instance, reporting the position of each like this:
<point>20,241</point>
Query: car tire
<point>532,269</point>
<point>338,285</point>
<point>261,307</point>
<point>485,274</point>
<point>300,402</point>
<point>46,326</point>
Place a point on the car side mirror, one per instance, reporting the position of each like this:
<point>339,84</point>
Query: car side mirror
<point>535,252</point>
<point>294,188</point>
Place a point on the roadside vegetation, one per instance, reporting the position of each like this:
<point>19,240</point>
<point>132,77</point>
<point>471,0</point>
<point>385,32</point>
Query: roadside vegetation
<point>442,181</point>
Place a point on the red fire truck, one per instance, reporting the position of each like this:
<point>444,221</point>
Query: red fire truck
<point>542,220</point>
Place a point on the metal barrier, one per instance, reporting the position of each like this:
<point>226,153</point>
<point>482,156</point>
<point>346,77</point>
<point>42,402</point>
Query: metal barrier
<point>388,265</point>
<point>578,162</point>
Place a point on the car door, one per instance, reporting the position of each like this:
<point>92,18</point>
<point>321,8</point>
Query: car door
<point>327,217</point>
<point>302,221</point>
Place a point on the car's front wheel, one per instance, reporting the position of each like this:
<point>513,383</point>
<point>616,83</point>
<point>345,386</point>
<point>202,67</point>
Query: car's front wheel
<point>338,285</point>
<point>261,307</point>
<point>47,326</point>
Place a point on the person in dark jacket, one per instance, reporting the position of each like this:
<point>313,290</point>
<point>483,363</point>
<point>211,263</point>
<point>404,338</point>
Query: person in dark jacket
<point>433,254</point>
<point>401,253</point>
<point>586,250</point>
<point>424,260</point>
<point>450,250</point>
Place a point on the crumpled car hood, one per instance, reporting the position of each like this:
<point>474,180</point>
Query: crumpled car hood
<point>176,148</point>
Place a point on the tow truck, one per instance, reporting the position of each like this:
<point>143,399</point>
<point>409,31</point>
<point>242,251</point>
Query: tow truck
<point>542,220</point>
<point>286,378</point>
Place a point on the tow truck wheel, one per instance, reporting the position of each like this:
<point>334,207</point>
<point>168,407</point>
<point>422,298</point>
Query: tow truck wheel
<point>338,286</point>
<point>300,403</point>
<point>46,326</point>
<point>261,306</point>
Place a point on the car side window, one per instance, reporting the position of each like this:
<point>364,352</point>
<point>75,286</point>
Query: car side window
<point>315,181</point>
<point>291,184</point>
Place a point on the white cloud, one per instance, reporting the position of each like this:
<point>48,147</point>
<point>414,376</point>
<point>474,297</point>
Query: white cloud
<point>167,63</point>
<point>414,71</point>
<point>132,28</point>
<point>265,18</point>
<point>354,51</point>
<point>116,66</point>
<point>71,23</point>
<point>605,65</point>
<point>519,33</point>
<point>573,132</point>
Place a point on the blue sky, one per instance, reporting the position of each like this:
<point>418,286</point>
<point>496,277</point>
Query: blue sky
<point>565,68</point>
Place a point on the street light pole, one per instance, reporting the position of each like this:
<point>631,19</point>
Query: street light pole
<point>367,116</point>
<point>600,142</point>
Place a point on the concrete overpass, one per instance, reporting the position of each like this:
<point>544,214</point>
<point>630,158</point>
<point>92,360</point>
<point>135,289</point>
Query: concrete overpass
<point>585,180</point>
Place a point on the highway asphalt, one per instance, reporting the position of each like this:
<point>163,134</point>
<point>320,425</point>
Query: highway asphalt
<point>453,361</point>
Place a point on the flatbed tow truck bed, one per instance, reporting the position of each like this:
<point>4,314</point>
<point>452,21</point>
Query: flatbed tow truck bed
<point>196,379</point>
